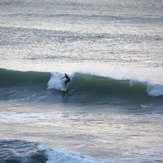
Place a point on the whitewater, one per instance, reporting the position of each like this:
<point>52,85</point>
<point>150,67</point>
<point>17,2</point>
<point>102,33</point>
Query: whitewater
<point>112,111</point>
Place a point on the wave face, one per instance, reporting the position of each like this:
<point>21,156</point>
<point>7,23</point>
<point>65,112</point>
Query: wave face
<point>82,88</point>
<point>18,78</point>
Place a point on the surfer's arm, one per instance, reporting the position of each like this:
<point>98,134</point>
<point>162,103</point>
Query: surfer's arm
<point>62,78</point>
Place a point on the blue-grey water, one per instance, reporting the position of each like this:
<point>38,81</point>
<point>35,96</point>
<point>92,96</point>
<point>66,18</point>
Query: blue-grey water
<point>112,50</point>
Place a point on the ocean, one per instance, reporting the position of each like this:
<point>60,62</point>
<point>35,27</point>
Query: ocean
<point>112,111</point>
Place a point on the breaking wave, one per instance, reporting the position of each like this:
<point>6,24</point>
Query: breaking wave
<point>83,87</point>
<point>23,151</point>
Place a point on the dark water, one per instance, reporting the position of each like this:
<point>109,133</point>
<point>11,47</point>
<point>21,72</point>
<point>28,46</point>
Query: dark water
<point>17,151</point>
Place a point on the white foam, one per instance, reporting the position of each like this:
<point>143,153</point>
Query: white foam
<point>55,81</point>
<point>63,156</point>
<point>155,89</point>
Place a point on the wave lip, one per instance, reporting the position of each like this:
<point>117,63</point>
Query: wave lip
<point>93,84</point>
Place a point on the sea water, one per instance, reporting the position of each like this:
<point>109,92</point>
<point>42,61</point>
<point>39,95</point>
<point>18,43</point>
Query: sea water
<point>112,50</point>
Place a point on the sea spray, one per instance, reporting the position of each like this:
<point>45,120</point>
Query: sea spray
<point>155,89</point>
<point>55,81</point>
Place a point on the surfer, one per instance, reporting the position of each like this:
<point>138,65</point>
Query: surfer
<point>67,79</point>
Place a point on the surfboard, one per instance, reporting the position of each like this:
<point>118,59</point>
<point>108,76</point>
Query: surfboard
<point>64,91</point>
<point>63,88</point>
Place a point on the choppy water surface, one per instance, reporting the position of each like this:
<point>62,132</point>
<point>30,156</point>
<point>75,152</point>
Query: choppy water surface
<point>112,51</point>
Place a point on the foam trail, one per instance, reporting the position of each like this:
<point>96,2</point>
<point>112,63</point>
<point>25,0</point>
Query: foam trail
<point>30,116</point>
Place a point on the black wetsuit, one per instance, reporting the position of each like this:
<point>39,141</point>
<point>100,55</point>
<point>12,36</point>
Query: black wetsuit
<point>67,79</point>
